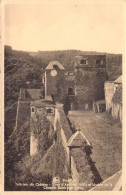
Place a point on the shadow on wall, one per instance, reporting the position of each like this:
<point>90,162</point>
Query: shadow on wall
<point>72,127</point>
<point>96,176</point>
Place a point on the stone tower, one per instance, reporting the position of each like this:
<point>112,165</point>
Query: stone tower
<point>90,75</point>
<point>54,79</point>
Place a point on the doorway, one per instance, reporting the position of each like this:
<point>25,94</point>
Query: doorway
<point>70,91</point>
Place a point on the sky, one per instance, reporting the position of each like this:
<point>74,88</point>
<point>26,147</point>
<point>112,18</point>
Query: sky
<point>59,26</point>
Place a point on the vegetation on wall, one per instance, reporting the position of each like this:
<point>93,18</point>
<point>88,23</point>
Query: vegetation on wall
<point>43,131</point>
<point>16,147</point>
<point>18,161</point>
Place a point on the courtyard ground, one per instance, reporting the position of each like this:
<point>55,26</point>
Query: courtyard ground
<point>105,135</point>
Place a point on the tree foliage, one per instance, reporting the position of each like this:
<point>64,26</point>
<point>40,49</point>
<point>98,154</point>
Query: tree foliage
<point>18,161</point>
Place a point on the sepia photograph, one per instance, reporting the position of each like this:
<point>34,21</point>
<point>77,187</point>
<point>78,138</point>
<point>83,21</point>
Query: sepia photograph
<point>63,95</point>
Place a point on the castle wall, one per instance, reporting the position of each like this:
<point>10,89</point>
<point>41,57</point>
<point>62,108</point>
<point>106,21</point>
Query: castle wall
<point>109,92</point>
<point>33,145</point>
<point>58,85</point>
<point>86,82</point>
<point>78,161</point>
<point>89,88</point>
<point>90,61</point>
<point>117,111</point>
<point>54,85</point>
<point>23,112</point>
<point>89,79</point>
<point>65,133</point>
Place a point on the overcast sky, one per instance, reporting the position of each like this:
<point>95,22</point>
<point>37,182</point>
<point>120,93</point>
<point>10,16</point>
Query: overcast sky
<point>59,26</point>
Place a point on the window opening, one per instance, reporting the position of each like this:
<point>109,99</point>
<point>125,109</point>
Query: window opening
<point>70,91</point>
<point>83,61</point>
<point>33,109</point>
<point>55,66</point>
<point>49,110</point>
<point>98,61</point>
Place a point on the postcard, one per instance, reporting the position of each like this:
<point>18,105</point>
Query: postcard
<point>62,77</point>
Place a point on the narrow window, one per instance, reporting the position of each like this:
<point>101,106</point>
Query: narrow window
<point>98,62</point>
<point>49,110</point>
<point>70,91</point>
<point>55,66</point>
<point>83,61</point>
<point>32,109</point>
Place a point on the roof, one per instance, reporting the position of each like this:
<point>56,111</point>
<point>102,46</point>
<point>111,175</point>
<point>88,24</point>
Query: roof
<point>33,93</point>
<point>117,97</point>
<point>113,183</point>
<point>77,139</point>
<point>42,102</point>
<point>49,97</point>
<point>118,80</point>
<point>50,65</point>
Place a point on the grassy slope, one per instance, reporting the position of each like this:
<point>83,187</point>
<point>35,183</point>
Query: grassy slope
<point>106,138</point>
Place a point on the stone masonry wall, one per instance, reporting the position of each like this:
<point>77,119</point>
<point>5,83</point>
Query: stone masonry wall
<point>58,85</point>
<point>23,112</point>
<point>117,111</point>
<point>90,78</point>
<point>55,85</point>
<point>91,60</point>
<point>65,135</point>
<point>109,92</point>
<point>80,169</point>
